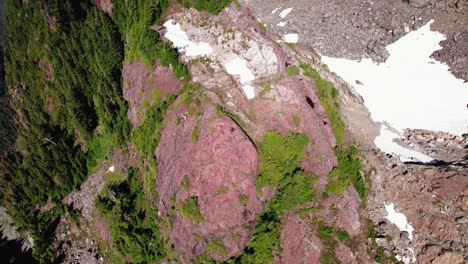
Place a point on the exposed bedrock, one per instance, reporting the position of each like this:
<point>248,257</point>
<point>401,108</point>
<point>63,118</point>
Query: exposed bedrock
<point>219,168</point>
<point>142,87</point>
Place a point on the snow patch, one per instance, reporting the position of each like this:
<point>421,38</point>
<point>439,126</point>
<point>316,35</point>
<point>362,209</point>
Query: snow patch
<point>409,90</point>
<point>181,41</point>
<point>398,219</point>
<point>407,259</point>
<point>249,91</point>
<point>274,11</point>
<point>385,141</point>
<point>282,24</point>
<point>291,38</point>
<point>285,12</point>
<point>239,67</point>
<point>111,168</point>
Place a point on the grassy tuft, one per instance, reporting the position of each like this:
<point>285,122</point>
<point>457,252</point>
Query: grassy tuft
<point>191,210</point>
<point>292,70</point>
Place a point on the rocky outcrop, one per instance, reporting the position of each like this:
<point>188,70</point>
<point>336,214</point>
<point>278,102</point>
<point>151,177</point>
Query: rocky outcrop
<point>431,198</point>
<point>343,211</point>
<point>81,241</point>
<point>453,50</point>
<point>144,86</point>
<point>449,257</point>
<point>355,29</point>
<point>106,6</point>
<point>291,100</point>
<point>420,3</point>
<point>439,145</point>
<point>218,166</point>
<point>195,169</point>
<point>299,244</point>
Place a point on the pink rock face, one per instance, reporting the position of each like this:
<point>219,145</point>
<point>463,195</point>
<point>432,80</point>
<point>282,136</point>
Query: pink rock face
<point>346,256</point>
<point>347,205</point>
<point>103,228</point>
<point>106,6</point>
<point>449,188</point>
<point>221,168</point>
<point>345,212</point>
<point>298,243</point>
<point>250,26</point>
<point>138,84</point>
<point>300,110</point>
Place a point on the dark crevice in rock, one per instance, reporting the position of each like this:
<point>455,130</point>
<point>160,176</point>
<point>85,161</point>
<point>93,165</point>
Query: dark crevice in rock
<point>309,101</point>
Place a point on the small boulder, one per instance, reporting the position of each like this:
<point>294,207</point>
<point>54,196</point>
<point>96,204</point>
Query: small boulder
<point>419,3</point>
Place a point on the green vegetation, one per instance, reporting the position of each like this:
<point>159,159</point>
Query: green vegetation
<point>221,190</point>
<point>238,4</point>
<point>112,178</point>
<point>348,170</point>
<point>292,70</point>
<point>296,120</point>
<point>377,252</point>
<point>221,111</point>
<point>262,26</point>
<point>327,236</point>
<point>342,235</point>
<point>279,157</point>
<point>212,6</point>
<point>190,209</point>
<point>154,98</point>
<point>146,136</point>
<point>63,109</point>
<point>133,222</point>
<point>243,199</point>
<point>327,95</point>
<point>293,190</point>
<point>65,104</point>
<point>185,183</point>
<point>326,232</point>
<point>279,164</point>
<point>216,246</point>
<point>195,134</point>
<point>349,165</point>
<point>134,20</point>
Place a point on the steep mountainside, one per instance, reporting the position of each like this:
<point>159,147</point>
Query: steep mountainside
<point>182,131</point>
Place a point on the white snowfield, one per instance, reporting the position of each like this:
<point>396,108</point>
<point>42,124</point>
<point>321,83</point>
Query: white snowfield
<point>386,144</point>
<point>239,67</point>
<point>409,90</point>
<point>111,168</point>
<point>285,12</point>
<point>291,38</point>
<point>398,219</point>
<point>282,24</point>
<point>181,41</point>
<point>274,11</point>
<point>407,260</point>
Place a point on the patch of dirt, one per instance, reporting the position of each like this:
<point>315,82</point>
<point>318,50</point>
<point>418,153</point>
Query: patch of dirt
<point>103,228</point>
